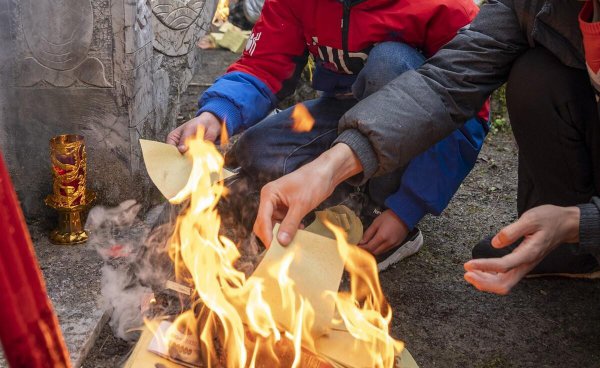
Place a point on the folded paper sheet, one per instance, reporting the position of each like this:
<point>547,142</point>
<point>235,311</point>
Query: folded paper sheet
<point>141,357</point>
<point>168,169</point>
<point>316,270</point>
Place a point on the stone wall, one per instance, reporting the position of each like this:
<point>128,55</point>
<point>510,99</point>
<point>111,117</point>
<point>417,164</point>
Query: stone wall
<point>111,70</point>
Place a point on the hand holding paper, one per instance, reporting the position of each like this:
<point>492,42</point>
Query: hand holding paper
<point>168,169</point>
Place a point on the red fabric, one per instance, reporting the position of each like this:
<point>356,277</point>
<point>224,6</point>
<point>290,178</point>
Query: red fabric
<point>29,330</point>
<point>289,28</point>
<point>591,41</point>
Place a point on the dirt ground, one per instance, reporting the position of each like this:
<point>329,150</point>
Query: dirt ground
<point>447,323</point>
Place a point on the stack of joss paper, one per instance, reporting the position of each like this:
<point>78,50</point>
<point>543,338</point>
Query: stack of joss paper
<point>316,270</point>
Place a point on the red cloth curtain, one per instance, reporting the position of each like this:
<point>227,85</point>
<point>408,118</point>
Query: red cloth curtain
<point>29,330</point>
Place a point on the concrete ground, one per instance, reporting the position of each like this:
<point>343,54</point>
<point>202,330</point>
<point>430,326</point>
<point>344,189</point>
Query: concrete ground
<point>72,276</point>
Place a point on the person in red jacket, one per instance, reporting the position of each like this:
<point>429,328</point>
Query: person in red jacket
<point>548,53</point>
<point>358,47</point>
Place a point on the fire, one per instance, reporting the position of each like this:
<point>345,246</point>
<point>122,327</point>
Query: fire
<point>224,134</point>
<point>222,12</point>
<point>232,317</point>
<point>303,121</point>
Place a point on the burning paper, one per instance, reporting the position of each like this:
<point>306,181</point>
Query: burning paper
<point>168,169</point>
<point>289,313</point>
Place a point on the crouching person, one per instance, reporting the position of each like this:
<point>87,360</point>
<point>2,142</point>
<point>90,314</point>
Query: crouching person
<point>378,41</point>
<point>549,53</point>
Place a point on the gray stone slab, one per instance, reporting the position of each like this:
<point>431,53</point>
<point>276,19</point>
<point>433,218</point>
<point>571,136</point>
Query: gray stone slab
<point>112,71</point>
<point>213,64</point>
<point>72,275</point>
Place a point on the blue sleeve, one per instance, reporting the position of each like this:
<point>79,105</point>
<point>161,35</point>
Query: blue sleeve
<point>239,99</point>
<point>431,179</point>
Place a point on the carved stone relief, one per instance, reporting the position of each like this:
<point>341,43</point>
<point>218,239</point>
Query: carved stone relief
<point>58,39</point>
<point>176,24</point>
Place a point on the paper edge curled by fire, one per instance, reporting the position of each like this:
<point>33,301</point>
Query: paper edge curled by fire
<point>317,270</point>
<point>168,169</point>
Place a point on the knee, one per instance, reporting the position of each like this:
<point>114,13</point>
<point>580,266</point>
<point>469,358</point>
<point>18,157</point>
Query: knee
<point>252,154</point>
<point>539,81</point>
<point>395,56</point>
<point>386,61</point>
<point>249,150</point>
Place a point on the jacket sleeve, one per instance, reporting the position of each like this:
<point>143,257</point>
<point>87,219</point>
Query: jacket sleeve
<point>589,227</point>
<point>590,31</point>
<point>268,70</point>
<point>431,179</point>
<point>419,108</point>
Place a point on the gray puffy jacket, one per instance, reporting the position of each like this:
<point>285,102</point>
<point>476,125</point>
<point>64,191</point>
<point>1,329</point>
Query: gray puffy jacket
<point>419,108</point>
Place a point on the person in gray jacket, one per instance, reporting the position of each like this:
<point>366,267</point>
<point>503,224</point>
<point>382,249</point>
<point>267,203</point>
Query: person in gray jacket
<point>549,53</point>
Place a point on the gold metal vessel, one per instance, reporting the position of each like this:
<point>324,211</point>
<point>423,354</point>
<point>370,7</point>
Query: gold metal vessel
<point>70,196</point>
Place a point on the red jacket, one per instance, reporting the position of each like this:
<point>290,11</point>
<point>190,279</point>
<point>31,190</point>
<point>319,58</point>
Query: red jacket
<point>338,33</point>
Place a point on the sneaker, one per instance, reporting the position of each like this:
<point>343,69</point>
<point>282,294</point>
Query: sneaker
<point>564,261</point>
<point>410,246</point>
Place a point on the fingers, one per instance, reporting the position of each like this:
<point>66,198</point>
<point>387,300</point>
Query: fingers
<point>491,283</point>
<point>525,254</point>
<point>175,136</point>
<point>368,235</point>
<point>377,241</point>
<point>497,283</point>
<point>263,226</point>
<point>513,232</point>
<point>289,225</point>
<point>188,132</point>
<point>212,132</point>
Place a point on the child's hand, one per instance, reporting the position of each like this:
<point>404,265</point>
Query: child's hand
<point>212,129</point>
<point>384,233</point>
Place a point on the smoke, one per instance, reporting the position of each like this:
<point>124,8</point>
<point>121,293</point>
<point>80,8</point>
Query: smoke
<point>135,257</point>
<point>137,266</point>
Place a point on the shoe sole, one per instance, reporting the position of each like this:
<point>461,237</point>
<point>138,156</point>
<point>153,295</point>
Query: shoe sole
<point>406,250</point>
<point>584,276</point>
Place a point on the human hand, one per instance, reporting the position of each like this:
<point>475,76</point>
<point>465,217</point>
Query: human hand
<point>291,197</point>
<point>210,123</point>
<point>387,231</point>
<point>544,228</point>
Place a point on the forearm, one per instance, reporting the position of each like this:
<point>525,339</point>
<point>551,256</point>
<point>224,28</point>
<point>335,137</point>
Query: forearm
<point>419,108</point>
<point>339,163</point>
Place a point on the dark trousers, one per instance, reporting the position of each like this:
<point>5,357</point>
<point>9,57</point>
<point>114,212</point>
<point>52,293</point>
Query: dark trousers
<point>555,122</point>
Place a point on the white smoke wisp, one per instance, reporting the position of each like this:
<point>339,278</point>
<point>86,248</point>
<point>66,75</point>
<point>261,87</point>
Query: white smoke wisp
<point>137,265</point>
<point>123,301</point>
<point>135,261</point>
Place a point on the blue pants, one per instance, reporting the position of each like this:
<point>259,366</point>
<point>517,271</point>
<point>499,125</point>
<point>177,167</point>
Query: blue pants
<point>270,149</point>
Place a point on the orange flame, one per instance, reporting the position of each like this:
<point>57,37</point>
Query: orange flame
<point>231,316</point>
<point>303,121</point>
<point>224,134</point>
<point>222,11</point>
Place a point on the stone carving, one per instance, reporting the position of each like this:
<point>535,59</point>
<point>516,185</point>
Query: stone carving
<point>176,24</point>
<point>140,52</point>
<point>59,35</point>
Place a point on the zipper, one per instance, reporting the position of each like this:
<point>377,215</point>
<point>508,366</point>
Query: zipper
<point>346,29</point>
<point>347,4</point>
